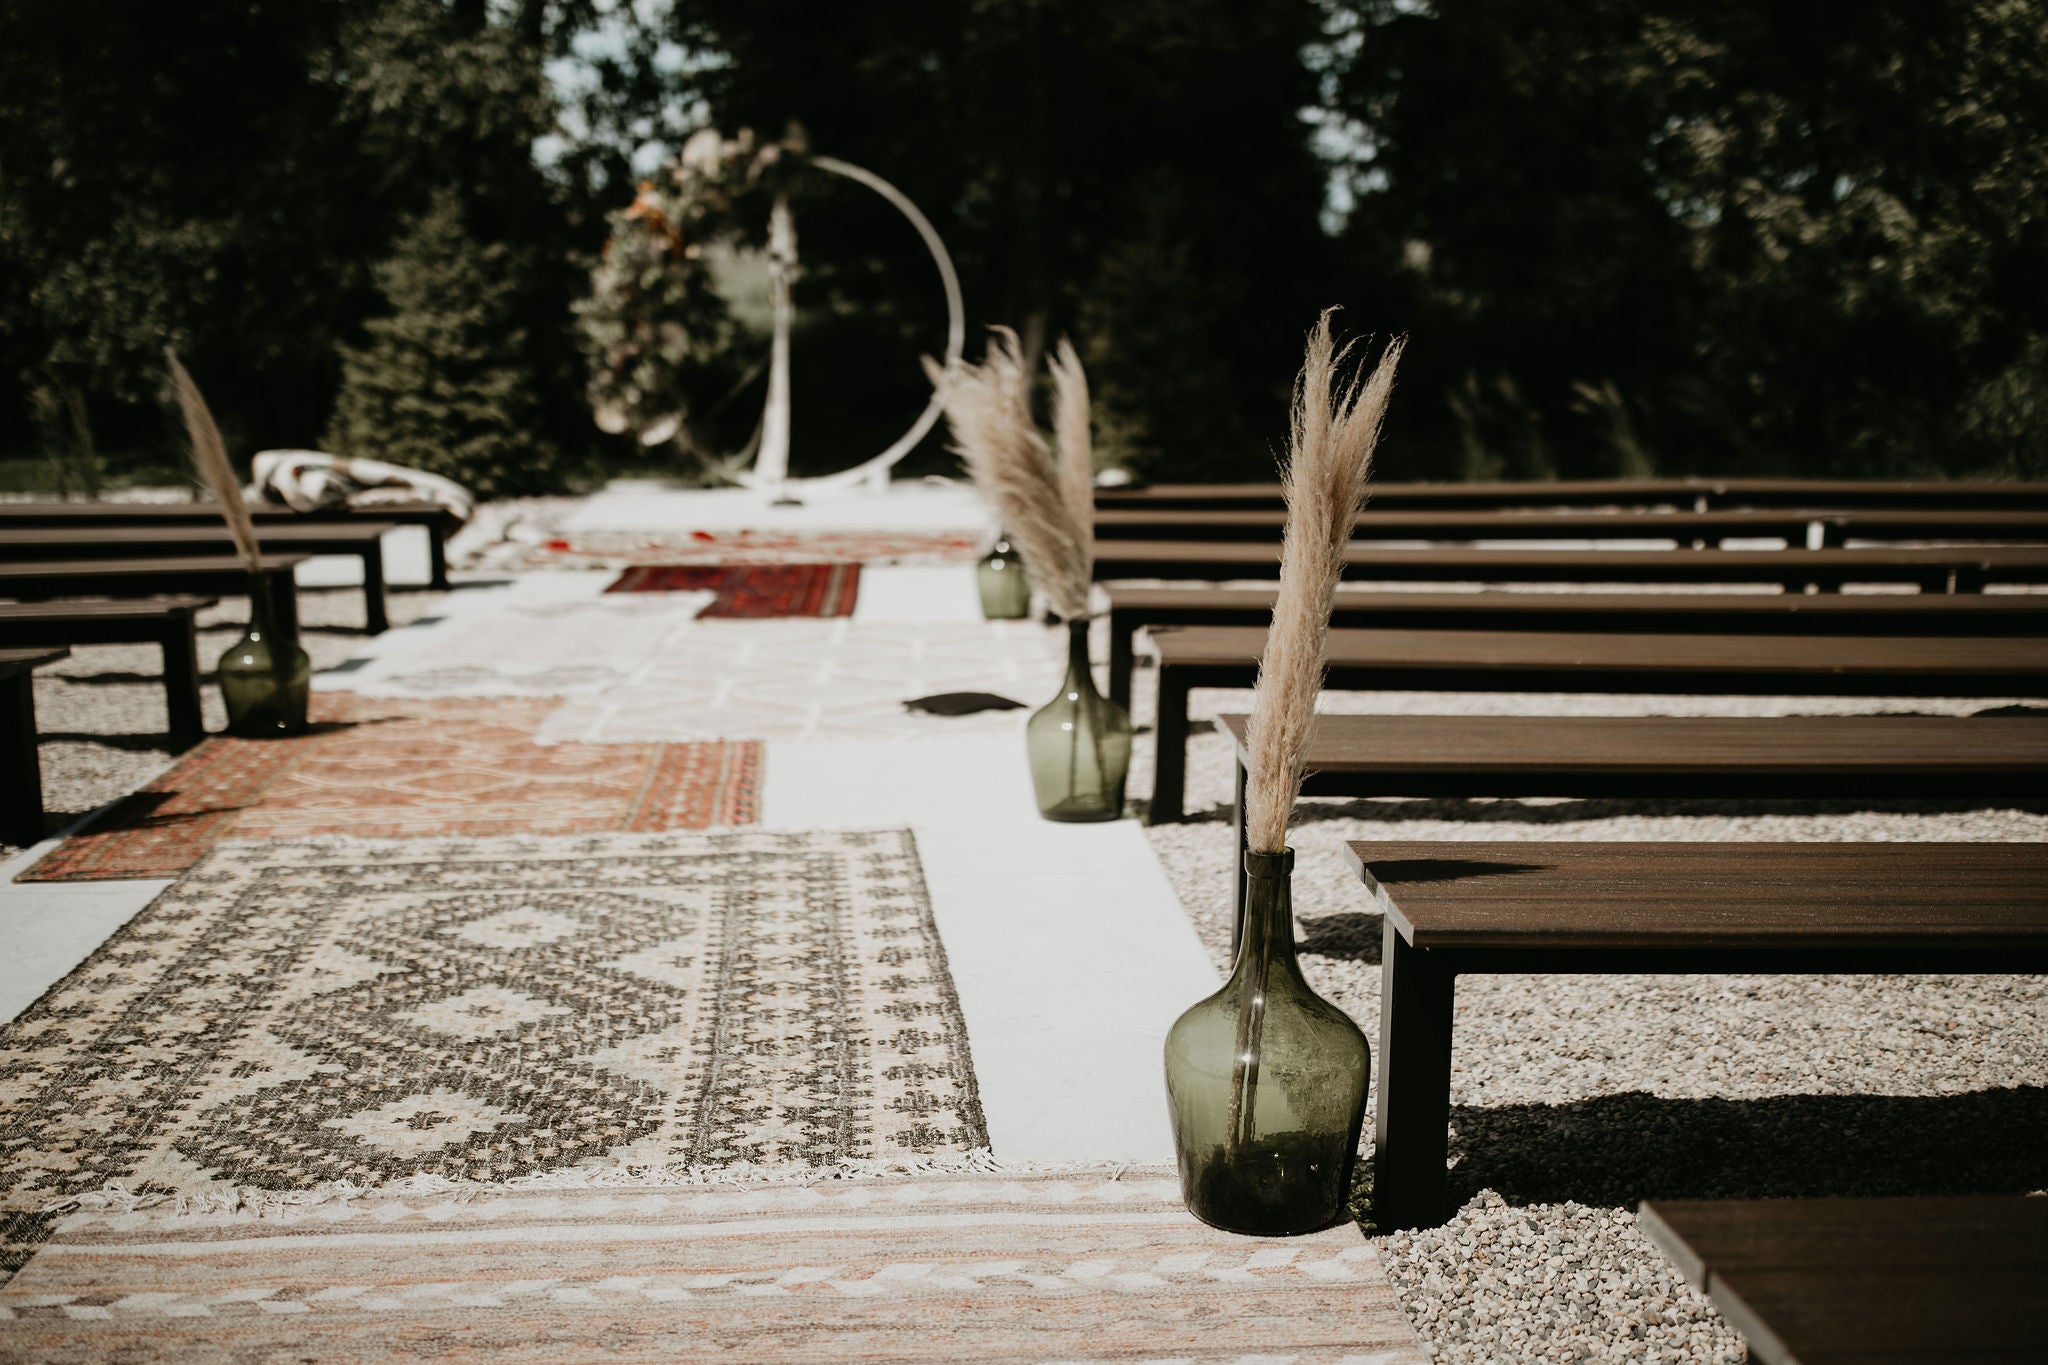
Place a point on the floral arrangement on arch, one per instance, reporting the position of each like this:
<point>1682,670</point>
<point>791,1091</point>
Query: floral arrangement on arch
<point>654,327</point>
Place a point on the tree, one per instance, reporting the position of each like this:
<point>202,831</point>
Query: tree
<point>442,383</point>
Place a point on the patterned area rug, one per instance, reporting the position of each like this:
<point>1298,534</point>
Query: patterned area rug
<point>815,680</point>
<point>993,1267</point>
<point>585,549</point>
<point>546,635</point>
<point>753,591</point>
<point>323,1015</point>
<point>382,768</point>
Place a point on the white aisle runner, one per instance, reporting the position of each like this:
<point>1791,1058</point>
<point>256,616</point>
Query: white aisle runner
<point>1070,952</point>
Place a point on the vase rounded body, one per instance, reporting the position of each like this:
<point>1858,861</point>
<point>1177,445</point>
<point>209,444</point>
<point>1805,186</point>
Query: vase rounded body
<point>264,676</point>
<point>1266,1081</point>
<point>1005,587</point>
<point>1079,744</point>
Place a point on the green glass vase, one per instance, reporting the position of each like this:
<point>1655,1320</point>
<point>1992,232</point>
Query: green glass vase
<point>265,677</point>
<point>1079,744</point>
<point>1266,1081</point>
<point>1005,587</point>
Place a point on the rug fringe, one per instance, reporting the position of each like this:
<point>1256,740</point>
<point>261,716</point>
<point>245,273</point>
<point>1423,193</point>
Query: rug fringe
<point>116,1197</point>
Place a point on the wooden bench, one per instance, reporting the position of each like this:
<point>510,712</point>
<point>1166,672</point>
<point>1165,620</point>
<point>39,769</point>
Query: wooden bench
<point>435,519</point>
<point>1697,494</point>
<point>167,622</point>
<point>21,772</point>
<point>1568,661</point>
<point>211,575</point>
<point>1455,909</point>
<point>1954,1279</point>
<point>1689,757</point>
<point>1723,613</point>
<point>1960,568</point>
<point>361,539</point>
<point>1795,528</point>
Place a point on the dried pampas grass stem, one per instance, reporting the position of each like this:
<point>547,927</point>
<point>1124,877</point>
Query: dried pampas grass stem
<point>1329,454</point>
<point>210,458</point>
<point>1046,503</point>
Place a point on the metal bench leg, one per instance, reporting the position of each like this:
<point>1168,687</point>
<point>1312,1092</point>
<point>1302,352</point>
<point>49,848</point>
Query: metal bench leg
<point>1237,866</point>
<point>376,619</point>
<point>1411,1132</point>
<point>181,682</point>
<point>21,773</point>
<point>1170,762</point>
<point>1122,658</point>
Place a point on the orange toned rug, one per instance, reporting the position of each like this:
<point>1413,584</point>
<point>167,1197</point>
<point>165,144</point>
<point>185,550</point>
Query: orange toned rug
<point>393,768</point>
<point>753,591</point>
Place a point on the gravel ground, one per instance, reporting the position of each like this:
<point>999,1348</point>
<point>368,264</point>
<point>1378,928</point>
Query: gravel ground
<point>1576,1097</point>
<point>101,711</point>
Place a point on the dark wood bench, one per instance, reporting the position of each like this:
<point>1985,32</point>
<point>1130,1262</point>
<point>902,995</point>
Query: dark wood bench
<point>1795,528</point>
<point>1455,909</point>
<point>1721,613</point>
<point>21,773</point>
<point>1961,1279</point>
<point>360,539</point>
<point>1691,757</point>
<point>1568,661</point>
<point>437,521</point>
<point>1960,568</point>
<point>167,622</point>
<point>1696,494</point>
<point>211,575</point>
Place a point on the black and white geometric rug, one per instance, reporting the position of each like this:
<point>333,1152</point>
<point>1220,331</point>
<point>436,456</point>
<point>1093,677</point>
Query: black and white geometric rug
<point>323,1014</point>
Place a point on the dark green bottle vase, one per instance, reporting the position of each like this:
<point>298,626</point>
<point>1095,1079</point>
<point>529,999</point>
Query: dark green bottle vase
<point>1005,587</point>
<point>1079,744</point>
<point>1266,1081</point>
<point>265,677</point>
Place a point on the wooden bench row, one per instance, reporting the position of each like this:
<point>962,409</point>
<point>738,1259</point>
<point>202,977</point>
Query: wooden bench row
<point>1695,494</point>
<point>1798,529</point>
<point>1568,661</point>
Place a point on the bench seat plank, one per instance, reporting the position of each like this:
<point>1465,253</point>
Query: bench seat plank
<point>1950,1278</point>
<point>1707,528</point>
<point>1700,493</point>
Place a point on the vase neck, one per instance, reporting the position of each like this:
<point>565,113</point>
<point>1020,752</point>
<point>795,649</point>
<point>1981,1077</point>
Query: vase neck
<point>1267,941</point>
<point>1080,677</point>
<point>265,621</point>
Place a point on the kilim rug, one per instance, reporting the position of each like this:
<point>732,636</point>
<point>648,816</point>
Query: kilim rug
<point>1044,1267</point>
<point>380,768</point>
<point>815,680</point>
<point>326,1015</point>
<point>753,590</point>
<point>583,549</point>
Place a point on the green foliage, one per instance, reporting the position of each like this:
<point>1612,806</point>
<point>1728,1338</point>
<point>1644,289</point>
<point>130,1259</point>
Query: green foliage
<point>1782,237</point>
<point>442,383</point>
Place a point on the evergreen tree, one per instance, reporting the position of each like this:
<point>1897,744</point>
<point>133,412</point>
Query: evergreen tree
<point>443,382</point>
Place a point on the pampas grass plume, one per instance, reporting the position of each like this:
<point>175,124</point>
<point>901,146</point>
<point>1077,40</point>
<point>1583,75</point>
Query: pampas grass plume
<point>210,458</point>
<point>1329,454</point>
<point>1046,503</point>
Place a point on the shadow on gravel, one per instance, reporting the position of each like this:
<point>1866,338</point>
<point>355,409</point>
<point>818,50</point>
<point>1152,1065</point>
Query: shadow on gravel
<point>1619,1149</point>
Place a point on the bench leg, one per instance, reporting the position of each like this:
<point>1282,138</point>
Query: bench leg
<point>181,683</point>
<point>21,773</point>
<point>376,619</point>
<point>1237,840</point>
<point>1411,1133</point>
<point>1170,762</point>
<point>437,553</point>
<point>1122,658</point>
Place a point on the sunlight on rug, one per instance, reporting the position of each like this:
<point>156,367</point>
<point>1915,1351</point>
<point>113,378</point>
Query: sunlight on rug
<point>299,1016</point>
<point>1067,1267</point>
<point>752,591</point>
<point>409,769</point>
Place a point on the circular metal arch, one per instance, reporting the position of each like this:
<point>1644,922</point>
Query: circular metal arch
<point>877,467</point>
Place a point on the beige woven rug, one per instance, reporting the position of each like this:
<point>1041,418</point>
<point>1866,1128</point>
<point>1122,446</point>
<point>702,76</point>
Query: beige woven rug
<point>317,1014</point>
<point>996,1267</point>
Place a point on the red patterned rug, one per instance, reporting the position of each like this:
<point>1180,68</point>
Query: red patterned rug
<point>387,768</point>
<point>753,590</point>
